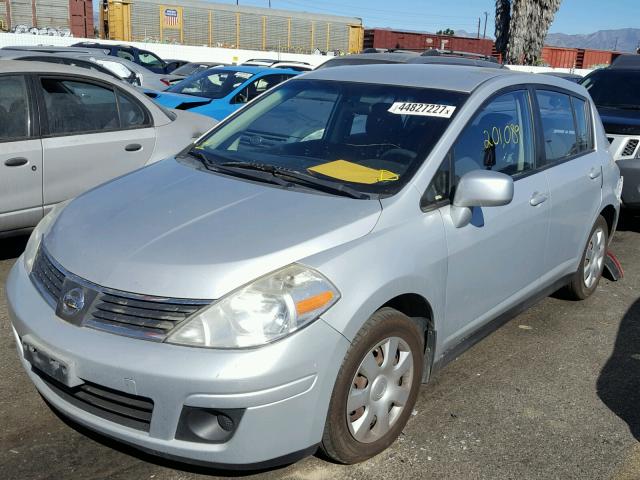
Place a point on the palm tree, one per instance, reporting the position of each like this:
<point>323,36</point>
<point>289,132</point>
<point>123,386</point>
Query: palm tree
<point>521,28</point>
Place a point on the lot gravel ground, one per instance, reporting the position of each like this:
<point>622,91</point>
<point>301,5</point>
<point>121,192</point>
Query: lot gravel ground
<point>555,393</point>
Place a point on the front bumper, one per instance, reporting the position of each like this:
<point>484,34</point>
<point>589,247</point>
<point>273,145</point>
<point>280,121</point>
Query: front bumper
<point>630,170</point>
<point>284,388</point>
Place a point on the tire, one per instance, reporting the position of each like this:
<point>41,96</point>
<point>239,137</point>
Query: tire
<point>351,437</point>
<point>586,279</point>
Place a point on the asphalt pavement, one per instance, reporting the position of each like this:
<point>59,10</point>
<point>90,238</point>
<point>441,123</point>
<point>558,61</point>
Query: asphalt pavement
<point>555,393</point>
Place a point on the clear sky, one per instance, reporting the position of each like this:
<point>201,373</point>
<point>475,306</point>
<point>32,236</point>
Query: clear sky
<point>574,16</point>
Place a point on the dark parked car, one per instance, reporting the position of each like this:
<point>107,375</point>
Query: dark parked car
<point>616,93</point>
<point>145,58</point>
<point>571,77</point>
<point>442,57</point>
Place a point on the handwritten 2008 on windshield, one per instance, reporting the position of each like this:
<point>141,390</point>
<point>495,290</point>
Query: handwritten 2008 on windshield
<point>423,109</point>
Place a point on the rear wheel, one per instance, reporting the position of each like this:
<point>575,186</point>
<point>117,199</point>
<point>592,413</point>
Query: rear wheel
<point>376,388</point>
<point>586,279</point>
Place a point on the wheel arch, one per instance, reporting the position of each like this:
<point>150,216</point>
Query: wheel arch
<point>610,214</point>
<point>419,310</point>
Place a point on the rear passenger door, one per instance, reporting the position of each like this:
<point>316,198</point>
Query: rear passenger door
<point>93,132</point>
<point>20,156</point>
<point>574,175</point>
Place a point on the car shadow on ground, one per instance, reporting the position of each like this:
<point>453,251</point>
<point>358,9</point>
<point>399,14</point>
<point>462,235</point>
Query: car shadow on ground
<point>618,385</point>
<point>157,459</point>
<point>12,247</point>
<point>629,221</point>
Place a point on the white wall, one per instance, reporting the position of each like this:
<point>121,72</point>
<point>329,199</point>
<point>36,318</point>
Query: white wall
<point>180,52</point>
<point>208,54</point>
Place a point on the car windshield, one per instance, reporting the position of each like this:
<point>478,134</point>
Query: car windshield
<point>614,88</point>
<point>369,138</point>
<point>190,69</point>
<point>211,83</point>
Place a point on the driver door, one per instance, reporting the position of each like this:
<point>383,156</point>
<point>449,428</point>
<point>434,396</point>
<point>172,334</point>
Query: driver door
<point>495,261</point>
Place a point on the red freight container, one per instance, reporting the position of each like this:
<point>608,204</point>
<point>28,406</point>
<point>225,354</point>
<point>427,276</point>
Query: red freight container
<point>557,57</point>
<point>81,18</point>
<point>593,58</point>
<point>385,38</point>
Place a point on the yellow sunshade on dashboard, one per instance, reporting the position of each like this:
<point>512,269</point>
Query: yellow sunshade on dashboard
<point>352,172</point>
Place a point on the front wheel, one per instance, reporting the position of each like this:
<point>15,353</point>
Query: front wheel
<point>586,279</point>
<point>376,388</point>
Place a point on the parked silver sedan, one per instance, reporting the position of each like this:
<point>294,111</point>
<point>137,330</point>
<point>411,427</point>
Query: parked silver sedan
<point>64,130</point>
<point>292,280</point>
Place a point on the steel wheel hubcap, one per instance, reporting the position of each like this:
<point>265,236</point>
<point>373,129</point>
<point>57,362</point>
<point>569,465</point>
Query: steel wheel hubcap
<point>594,258</point>
<point>380,390</point>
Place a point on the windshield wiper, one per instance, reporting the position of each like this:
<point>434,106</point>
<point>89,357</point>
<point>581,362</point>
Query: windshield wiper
<point>304,178</point>
<point>230,169</point>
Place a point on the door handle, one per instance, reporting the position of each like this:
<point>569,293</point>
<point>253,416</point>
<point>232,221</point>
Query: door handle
<point>133,147</point>
<point>16,162</point>
<point>537,199</point>
<point>595,173</point>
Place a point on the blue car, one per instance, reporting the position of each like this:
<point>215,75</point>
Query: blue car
<point>220,91</point>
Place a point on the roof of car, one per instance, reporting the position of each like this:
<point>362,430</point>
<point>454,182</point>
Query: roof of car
<point>444,77</point>
<point>253,69</point>
<point>17,66</point>
<point>391,57</point>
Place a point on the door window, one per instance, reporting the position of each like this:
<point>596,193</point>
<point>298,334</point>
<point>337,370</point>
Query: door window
<point>14,109</point>
<point>78,107</point>
<point>558,127</point>
<point>259,86</point>
<point>126,55</point>
<point>499,138</point>
<point>149,60</point>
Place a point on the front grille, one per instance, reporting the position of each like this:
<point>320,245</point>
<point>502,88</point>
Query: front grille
<point>118,407</point>
<point>48,278</point>
<point>121,313</point>
<point>150,318</point>
<point>630,148</point>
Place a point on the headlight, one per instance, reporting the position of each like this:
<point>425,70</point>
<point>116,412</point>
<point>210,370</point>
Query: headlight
<point>266,310</point>
<point>39,232</point>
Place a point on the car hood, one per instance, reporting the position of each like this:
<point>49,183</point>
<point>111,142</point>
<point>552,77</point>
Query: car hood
<point>173,230</point>
<point>618,121</point>
<point>177,100</point>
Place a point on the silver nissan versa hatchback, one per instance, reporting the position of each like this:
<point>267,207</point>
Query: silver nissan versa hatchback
<point>291,280</point>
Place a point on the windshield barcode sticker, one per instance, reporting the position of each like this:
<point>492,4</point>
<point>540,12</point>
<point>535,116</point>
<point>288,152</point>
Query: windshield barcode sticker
<point>424,109</point>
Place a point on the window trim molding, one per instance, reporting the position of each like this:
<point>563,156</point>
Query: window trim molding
<point>524,87</point>
<point>552,88</point>
<point>540,164</point>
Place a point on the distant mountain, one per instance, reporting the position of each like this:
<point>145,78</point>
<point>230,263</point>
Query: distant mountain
<point>627,40</point>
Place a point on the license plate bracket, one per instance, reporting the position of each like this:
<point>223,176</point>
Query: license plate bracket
<point>50,364</point>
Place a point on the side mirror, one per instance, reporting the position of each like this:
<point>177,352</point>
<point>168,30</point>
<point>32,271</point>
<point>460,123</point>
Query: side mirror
<point>480,188</point>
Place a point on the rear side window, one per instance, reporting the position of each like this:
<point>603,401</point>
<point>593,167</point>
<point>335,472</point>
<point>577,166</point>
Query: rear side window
<point>126,55</point>
<point>14,109</point>
<point>583,125</point>
<point>558,127</point>
<point>499,138</point>
<point>75,107</point>
<point>148,59</point>
<point>132,114</point>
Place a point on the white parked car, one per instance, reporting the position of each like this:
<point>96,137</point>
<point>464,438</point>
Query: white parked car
<point>64,130</point>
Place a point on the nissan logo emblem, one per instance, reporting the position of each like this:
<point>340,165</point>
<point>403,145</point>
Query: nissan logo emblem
<point>73,301</point>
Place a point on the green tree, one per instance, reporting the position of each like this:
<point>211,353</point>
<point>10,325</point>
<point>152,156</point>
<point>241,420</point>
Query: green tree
<point>521,28</point>
<point>446,31</point>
